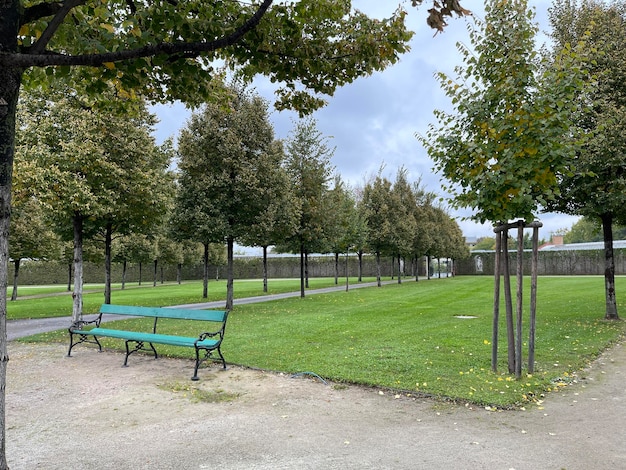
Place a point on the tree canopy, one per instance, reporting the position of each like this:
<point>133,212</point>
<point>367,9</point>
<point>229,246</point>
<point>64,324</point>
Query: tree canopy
<point>502,147</point>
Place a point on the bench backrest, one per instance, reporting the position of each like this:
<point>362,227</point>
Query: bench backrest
<point>156,312</point>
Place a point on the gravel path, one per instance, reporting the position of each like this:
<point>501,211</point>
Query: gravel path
<point>87,412</point>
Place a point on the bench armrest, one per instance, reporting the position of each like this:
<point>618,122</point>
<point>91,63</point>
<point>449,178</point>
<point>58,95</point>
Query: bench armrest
<point>206,335</point>
<point>78,325</point>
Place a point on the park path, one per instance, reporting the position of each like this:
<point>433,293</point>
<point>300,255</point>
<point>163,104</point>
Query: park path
<point>27,327</point>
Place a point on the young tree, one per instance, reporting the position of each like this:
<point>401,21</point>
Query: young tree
<point>504,147</point>
<point>595,183</point>
<point>228,164</point>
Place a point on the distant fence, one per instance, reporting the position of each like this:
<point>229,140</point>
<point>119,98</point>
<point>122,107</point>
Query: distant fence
<point>52,272</point>
<point>571,262</point>
<point>575,262</point>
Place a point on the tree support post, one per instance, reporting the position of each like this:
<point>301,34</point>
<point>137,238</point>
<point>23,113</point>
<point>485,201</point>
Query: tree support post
<point>514,329</point>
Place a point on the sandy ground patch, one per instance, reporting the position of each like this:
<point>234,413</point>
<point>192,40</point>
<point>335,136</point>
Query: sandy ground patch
<point>87,412</point>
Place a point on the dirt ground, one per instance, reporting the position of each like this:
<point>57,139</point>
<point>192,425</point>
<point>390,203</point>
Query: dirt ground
<point>87,412</point>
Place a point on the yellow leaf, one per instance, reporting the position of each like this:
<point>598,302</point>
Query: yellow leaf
<point>24,30</point>
<point>109,27</point>
<point>109,65</point>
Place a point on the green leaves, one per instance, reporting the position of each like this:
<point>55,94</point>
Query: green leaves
<point>164,50</point>
<point>502,148</point>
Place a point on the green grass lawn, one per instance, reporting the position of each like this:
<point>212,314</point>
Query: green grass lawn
<point>407,337</point>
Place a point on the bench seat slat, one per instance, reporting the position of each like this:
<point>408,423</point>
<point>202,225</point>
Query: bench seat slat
<point>151,337</point>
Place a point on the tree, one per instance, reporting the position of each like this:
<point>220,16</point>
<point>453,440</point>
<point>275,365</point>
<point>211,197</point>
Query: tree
<point>402,217</point>
<point>584,230</point>
<point>308,166</point>
<point>425,225</point>
<point>31,235</point>
<point>505,146</point>
<point>136,248</point>
<point>228,164</point>
<point>485,243</point>
<point>376,196</point>
<point>341,225</point>
<point>281,210</point>
<point>594,185</point>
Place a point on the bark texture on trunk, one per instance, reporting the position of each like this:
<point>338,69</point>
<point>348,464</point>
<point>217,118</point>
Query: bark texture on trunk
<point>77,295</point>
<point>609,268</point>
<point>10,79</point>
<point>229,281</point>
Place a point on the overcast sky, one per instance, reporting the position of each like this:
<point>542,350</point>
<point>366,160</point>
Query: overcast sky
<point>373,121</point>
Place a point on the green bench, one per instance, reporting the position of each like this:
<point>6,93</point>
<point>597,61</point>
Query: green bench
<point>206,342</point>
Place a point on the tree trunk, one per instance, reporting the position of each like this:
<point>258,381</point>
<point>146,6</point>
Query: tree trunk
<point>360,254</point>
<point>179,273</point>
<point>155,272</point>
<point>16,273</point>
<point>140,271</point>
<point>399,269</point>
<point>306,268</point>
<point>107,263</point>
<point>520,298</point>
<point>77,295</point>
<point>205,274</point>
<point>496,303</point>
<point>347,274</point>
<point>533,302</point>
<point>265,269</point>
<point>10,80</point>
<point>229,278</point>
<point>510,328</point>
<point>378,269</point>
<point>336,268</point>
<point>428,259</point>
<point>302,270</point>
<point>609,268</point>
<point>124,266</point>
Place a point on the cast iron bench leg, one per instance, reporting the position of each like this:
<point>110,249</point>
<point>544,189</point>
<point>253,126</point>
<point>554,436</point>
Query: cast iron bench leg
<point>138,347</point>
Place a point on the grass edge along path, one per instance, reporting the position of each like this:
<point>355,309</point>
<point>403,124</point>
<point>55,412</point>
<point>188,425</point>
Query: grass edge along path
<point>409,338</point>
<point>57,302</point>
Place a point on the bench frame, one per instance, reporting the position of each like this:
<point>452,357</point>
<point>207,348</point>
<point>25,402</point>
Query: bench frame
<point>207,341</point>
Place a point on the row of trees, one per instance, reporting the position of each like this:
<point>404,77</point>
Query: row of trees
<point>84,173</point>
